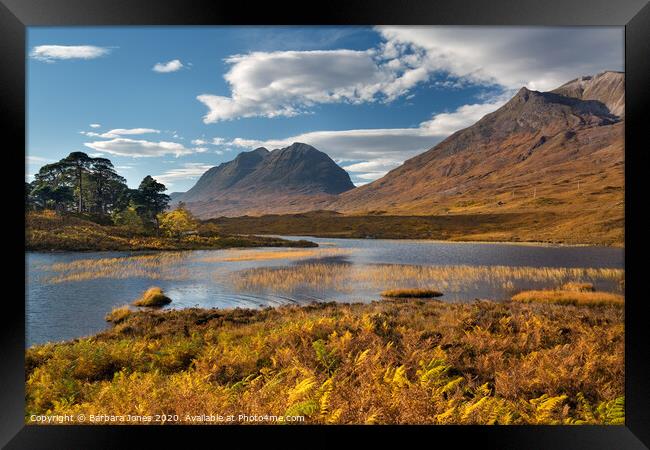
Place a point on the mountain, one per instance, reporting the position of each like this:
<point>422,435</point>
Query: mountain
<point>557,153</point>
<point>290,179</point>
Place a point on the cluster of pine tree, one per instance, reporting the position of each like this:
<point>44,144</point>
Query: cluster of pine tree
<point>81,184</point>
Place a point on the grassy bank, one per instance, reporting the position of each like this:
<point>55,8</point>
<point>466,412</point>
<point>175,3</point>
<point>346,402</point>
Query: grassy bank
<point>493,227</point>
<point>52,232</point>
<point>391,361</point>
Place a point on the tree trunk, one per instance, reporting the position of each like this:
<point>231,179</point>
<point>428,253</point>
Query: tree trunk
<point>80,189</point>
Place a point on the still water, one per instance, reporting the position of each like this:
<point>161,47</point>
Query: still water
<point>69,294</point>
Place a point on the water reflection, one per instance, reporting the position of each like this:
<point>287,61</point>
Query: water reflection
<point>68,294</point>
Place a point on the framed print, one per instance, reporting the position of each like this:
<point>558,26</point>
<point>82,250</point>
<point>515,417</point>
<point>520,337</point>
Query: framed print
<point>359,218</point>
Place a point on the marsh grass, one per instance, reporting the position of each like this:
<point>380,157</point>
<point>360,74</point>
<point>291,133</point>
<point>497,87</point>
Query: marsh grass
<point>387,362</point>
<point>158,266</point>
<point>345,277</point>
<point>154,296</point>
<point>577,286</point>
<point>411,293</point>
<point>573,297</point>
<point>170,266</point>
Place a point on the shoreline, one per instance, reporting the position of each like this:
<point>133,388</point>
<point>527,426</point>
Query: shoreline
<point>450,241</point>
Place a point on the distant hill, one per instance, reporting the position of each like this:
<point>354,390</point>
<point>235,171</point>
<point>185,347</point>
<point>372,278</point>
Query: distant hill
<point>290,179</point>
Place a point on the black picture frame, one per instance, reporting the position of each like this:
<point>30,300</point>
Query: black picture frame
<point>634,15</point>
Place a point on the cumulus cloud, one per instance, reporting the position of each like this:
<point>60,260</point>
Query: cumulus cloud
<point>95,125</point>
<point>169,66</point>
<point>539,58</point>
<point>288,83</point>
<point>53,53</point>
<point>188,171</point>
<point>137,148</point>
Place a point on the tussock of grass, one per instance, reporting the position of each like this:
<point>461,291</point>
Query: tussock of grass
<point>577,286</point>
<point>411,293</point>
<point>153,296</point>
<point>563,297</point>
<point>398,362</point>
<point>118,314</point>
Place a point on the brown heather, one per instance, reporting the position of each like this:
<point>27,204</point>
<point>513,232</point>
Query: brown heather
<point>389,362</point>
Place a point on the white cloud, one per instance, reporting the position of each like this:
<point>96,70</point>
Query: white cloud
<point>169,66</point>
<point>137,148</point>
<point>369,153</point>
<point>540,58</point>
<point>117,132</point>
<point>188,171</point>
<point>199,142</point>
<point>52,53</point>
<point>287,83</point>
<point>378,164</point>
<point>95,125</point>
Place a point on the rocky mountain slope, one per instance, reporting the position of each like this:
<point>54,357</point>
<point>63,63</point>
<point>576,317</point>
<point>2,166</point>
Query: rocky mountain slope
<point>291,179</point>
<point>557,153</point>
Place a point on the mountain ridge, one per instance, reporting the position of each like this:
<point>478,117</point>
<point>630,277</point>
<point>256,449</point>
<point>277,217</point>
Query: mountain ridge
<point>558,154</point>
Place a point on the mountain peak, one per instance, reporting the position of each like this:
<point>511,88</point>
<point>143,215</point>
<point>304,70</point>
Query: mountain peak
<point>300,147</point>
<point>269,181</point>
<point>606,87</point>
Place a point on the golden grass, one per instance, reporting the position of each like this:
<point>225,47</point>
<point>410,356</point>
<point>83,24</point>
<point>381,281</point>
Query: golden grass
<point>153,296</point>
<point>345,277</point>
<point>577,286</point>
<point>397,362</point>
<point>158,266</point>
<point>164,265</point>
<point>570,297</point>
<point>411,293</point>
<point>118,314</point>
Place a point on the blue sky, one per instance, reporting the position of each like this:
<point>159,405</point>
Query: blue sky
<point>172,102</point>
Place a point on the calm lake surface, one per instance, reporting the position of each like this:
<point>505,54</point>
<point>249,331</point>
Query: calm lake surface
<point>69,294</point>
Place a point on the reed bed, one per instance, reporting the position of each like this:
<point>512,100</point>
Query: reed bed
<point>344,277</point>
<point>159,266</point>
<point>171,266</point>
